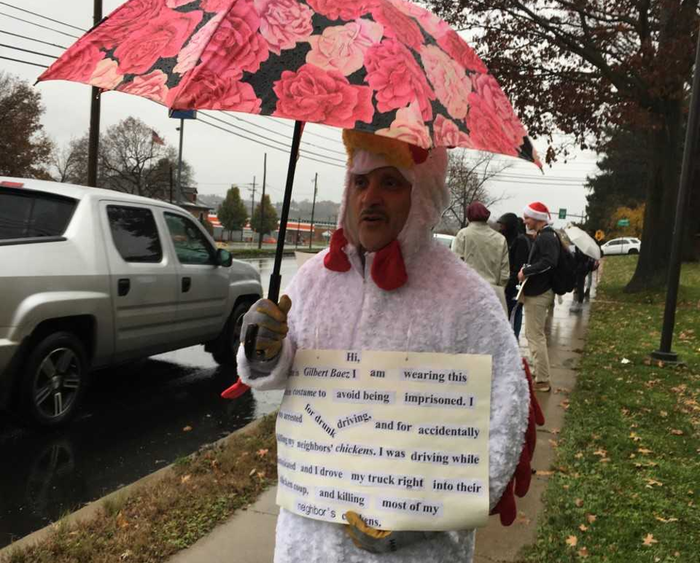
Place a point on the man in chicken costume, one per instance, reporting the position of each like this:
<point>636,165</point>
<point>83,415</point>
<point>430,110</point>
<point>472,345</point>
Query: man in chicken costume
<point>384,284</point>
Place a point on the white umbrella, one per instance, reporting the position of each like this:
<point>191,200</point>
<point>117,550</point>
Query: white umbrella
<point>583,241</point>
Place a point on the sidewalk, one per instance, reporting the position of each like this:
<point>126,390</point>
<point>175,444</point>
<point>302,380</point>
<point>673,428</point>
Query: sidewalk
<point>249,536</point>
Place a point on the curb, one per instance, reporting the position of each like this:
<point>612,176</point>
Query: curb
<point>89,511</point>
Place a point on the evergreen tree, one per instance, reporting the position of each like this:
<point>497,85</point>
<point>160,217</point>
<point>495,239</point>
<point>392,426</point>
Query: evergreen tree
<point>269,219</point>
<point>232,212</point>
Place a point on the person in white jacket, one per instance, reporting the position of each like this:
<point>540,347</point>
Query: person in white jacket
<point>384,284</point>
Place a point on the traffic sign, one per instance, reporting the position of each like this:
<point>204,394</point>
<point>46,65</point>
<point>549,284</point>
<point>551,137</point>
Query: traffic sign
<point>623,223</point>
<point>182,113</point>
<point>562,213</point>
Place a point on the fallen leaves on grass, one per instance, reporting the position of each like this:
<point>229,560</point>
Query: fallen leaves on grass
<point>583,553</point>
<point>579,502</point>
<point>665,520</point>
<point>591,518</point>
<point>649,540</point>
<point>571,541</point>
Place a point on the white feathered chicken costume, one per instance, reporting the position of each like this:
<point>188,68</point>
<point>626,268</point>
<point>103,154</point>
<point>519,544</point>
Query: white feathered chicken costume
<point>413,295</point>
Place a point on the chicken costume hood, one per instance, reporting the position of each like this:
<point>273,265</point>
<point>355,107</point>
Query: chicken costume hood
<point>413,295</point>
<point>426,171</point>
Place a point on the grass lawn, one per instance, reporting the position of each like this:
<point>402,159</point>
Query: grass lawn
<point>626,482</point>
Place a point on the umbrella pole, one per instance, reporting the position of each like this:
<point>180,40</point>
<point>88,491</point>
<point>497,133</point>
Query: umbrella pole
<point>273,291</point>
<point>239,388</point>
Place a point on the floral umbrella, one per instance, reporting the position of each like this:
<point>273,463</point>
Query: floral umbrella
<point>387,67</point>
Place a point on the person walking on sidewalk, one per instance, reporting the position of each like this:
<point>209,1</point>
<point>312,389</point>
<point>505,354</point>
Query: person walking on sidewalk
<point>584,266</point>
<point>538,294</point>
<point>518,253</point>
<point>386,284</point>
<point>484,249</point>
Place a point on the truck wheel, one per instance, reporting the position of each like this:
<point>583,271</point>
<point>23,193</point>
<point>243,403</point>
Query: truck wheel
<point>226,347</point>
<point>54,380</point>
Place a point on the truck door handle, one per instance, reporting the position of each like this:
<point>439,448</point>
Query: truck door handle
<point>186,284</point>
<point>123,286</point>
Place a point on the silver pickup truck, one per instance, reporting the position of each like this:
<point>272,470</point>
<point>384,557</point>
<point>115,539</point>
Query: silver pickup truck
<point>90,278</point>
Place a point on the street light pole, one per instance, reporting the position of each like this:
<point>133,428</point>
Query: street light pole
<point>94,134</point>
<point>674,268</point>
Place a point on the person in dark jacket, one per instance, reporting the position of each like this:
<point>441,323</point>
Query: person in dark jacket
<point>518,252</point>
<point>537,275</point>
<point>584,265</point>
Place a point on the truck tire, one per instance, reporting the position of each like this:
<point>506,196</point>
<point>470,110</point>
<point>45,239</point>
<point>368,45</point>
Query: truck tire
<point>226,347</point>
<point>54,378</point>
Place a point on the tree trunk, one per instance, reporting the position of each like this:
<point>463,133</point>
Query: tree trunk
<point>662,192</point>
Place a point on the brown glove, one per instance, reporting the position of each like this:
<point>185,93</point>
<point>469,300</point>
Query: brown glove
<point>271,320</point>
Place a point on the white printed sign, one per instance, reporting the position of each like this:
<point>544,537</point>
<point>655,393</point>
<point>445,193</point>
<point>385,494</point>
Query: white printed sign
<point>400,438</point>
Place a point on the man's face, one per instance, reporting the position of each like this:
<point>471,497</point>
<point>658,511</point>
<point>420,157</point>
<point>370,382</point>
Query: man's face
<point>378,206</point>
<point>533,224</point>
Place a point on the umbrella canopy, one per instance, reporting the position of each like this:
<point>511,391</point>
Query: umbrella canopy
<point>583,241</point>
<point>387,67</point>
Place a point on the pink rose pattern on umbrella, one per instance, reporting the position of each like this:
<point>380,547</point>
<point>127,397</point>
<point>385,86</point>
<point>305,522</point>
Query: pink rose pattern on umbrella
<point>383,66</point>
<point>343,47</point>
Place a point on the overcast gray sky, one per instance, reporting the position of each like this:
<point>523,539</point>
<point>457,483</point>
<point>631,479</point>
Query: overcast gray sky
<point>219,158</point>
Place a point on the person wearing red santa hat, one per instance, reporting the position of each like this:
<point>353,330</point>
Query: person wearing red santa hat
<point>538,294</point>
<point>386,284</point>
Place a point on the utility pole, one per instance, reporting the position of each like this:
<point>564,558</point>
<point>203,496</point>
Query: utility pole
<point>252,207</point>
<point>170,170</point>
<point>179,164</point>
<point>313,208</point>
<point>262,204</point>
<point>94,135</point>
<point>298,227</point>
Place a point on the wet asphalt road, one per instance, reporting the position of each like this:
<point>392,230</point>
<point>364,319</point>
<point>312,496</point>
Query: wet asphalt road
<point>136,419</point>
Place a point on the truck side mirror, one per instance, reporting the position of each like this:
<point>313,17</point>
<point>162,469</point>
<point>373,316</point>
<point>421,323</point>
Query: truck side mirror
<point>223,258</point>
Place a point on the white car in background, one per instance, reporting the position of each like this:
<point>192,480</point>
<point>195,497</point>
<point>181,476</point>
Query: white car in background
<point>444,239</point>
<point>623,245</point>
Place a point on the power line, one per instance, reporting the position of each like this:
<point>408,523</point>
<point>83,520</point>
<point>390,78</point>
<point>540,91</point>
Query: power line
<point>23,62</point>
<point>284,145</point>
<point>283,135</point>
<point>38,25</point>
<point>40,16</point>
<point>32,39</point>
<point>302,155</point>
<point>28,51</point>
<point>289,125</point>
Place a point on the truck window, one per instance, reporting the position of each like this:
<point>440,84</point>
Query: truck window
<point>30,215</point>
<point>135,233</point>
<point>191,246</point>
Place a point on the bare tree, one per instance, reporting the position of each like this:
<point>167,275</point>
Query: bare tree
<point>69,162</point>
<point>467,178</point>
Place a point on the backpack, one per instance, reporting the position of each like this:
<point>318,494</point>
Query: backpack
<point>564,274</point>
